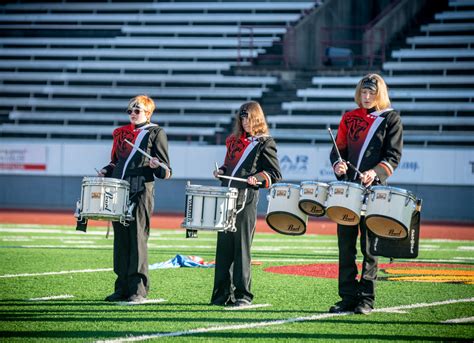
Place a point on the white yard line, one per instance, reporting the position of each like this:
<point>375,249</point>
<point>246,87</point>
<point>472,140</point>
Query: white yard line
<point>459,320</point>
<point>57,273</point>
<point>275,322</point>
<point>248,307</point>
<point>53,297</point>
<point>145,302</point>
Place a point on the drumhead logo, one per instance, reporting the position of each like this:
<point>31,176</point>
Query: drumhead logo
<point>308,191</point>
<point>281,193</point>
<point>382,196</point>
<point>95,195</point>
<point>108,201</point>
<point>339,191</point>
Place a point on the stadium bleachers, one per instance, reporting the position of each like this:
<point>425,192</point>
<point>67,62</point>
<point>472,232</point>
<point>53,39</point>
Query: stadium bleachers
<point>431,83</point>
<point>53,84</point>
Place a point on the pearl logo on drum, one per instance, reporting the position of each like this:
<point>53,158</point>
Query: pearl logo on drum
<point>108,200</point>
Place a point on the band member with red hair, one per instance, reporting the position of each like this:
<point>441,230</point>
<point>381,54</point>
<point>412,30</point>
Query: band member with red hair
<point>371,139</point>
<point>130,242</point>
<point>252,155</point>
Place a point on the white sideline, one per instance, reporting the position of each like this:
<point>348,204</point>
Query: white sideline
<point>247,307</point>
<point>459,320</point>
<point>145,302</point>
<point>53,297</point>
<point>276,322</point>
<point>57,273</point>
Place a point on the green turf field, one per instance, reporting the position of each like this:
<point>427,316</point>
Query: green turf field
<point>53,281</point>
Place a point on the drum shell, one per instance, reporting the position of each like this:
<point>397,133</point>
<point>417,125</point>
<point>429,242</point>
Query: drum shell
<point>344,202</point>
<point>389,211</point>
<point>283,213</point>
<point>313,196</point>
<point>210,208</point>
<point>104,198</point>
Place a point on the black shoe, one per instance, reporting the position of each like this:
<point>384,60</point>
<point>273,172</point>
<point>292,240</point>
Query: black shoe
<point>136,298</point>
<point>342,306</point>
<point>222,301</point>
<point>242,303</point>
<point>115,297</point>
<point>363,308</point>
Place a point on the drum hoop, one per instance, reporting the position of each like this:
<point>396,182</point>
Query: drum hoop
<point>395,190</point>
<point>314,183</point>
<point>346,183</point>
<point>290,185</point>
<point>109,181</point>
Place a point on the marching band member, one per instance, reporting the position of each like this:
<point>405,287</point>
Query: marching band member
<point>251,154</point>
<point>370,138</point>
<point>130,242</point>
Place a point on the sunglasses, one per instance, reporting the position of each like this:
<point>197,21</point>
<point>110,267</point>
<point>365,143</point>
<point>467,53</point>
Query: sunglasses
<point>243,114</point>
<point>134,111</point>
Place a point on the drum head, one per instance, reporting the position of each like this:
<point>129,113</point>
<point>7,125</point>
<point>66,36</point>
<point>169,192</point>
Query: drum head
<point>312,208</point>
<point>286,223</point>
<point>386,227</point>
<point>342,215</point>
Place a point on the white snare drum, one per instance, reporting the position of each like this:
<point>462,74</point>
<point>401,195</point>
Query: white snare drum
<point>210,208</point>
<point>283,214</point>
<point>104,199</point>
<point>389,211</point>
<point>345,200</point>
<point>313,197</point>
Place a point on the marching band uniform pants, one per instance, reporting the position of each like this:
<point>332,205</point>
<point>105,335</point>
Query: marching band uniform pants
<point>232,278</point>
<point>350,289</point>
<point>130,248</point>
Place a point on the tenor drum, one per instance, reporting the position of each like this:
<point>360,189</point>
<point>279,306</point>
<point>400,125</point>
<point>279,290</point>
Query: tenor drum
<point>389,211</point>
<point>283,213</point>
<point>210,208</point>
<point>313,197</point>
<point>104,199</point>
<point>345,200</point>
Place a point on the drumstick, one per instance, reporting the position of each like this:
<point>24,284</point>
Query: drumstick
<point>232,177</point>
<point>144,153</point>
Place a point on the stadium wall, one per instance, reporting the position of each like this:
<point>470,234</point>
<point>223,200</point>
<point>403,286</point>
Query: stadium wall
<point>48,176</point>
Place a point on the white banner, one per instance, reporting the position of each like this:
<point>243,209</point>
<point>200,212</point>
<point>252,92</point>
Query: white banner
<point>440,166</point>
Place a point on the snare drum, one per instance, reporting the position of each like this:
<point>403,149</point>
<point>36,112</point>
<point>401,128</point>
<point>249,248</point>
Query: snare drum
<point>283,214</point>
<point>104,199</point>
<point>389,211</point>
<point>313,197</point>
<point>210,208</point>
<point>345,200</point>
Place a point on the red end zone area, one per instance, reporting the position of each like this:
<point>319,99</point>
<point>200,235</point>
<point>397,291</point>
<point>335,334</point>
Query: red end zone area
<point>462,231</point>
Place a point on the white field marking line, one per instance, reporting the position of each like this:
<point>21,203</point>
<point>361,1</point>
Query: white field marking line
<point>57,273</point>
<point>54,297</point>
<point>275,322</point>
<point>463,248</point>
<point>427,260</point>
<point>248,307</point>
<point>58,246</point>
<point>145,302</point>
<point>459,320</point>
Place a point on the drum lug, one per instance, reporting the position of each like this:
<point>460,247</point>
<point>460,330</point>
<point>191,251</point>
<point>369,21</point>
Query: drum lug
<point>77,213</point>
<point>390,196</point>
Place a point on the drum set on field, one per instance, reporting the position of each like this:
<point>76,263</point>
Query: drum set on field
<point>387,211</point>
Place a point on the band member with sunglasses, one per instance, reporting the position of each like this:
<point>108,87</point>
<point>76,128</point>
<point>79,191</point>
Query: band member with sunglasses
<point>252,155</point>
<point>371,139</point>
<point>130,242</point>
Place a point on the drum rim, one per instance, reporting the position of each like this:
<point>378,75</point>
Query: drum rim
<point>407,233</point>
<point>396,190</point>
<point>217,188</point>
<point>314,183</point>
<point>286,233</point>
<point>340,183</point>
<point>98,180</point>
<point>313,202</point>
<point>283,184</point>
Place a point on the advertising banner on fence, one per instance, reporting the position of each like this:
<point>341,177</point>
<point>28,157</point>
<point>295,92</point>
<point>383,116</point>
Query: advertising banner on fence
<point>436,166</point>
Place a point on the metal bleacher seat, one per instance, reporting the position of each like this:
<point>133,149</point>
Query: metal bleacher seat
<point>440,40</point>
<point>452,54</point>
<point>442,67</point>
<point>98,131</point>
<point>212,80</point>
<point>455,15</point>
<point>118,119</point>
<point>98,92</point>
<point>447,27</point>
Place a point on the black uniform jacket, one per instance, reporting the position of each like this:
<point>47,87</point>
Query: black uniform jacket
<point>370,140</point>
<point>251,156</point>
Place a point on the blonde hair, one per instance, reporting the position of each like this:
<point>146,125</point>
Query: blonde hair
<point>382,101</point>
<point>143,102</point>
<point>256,118</point>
